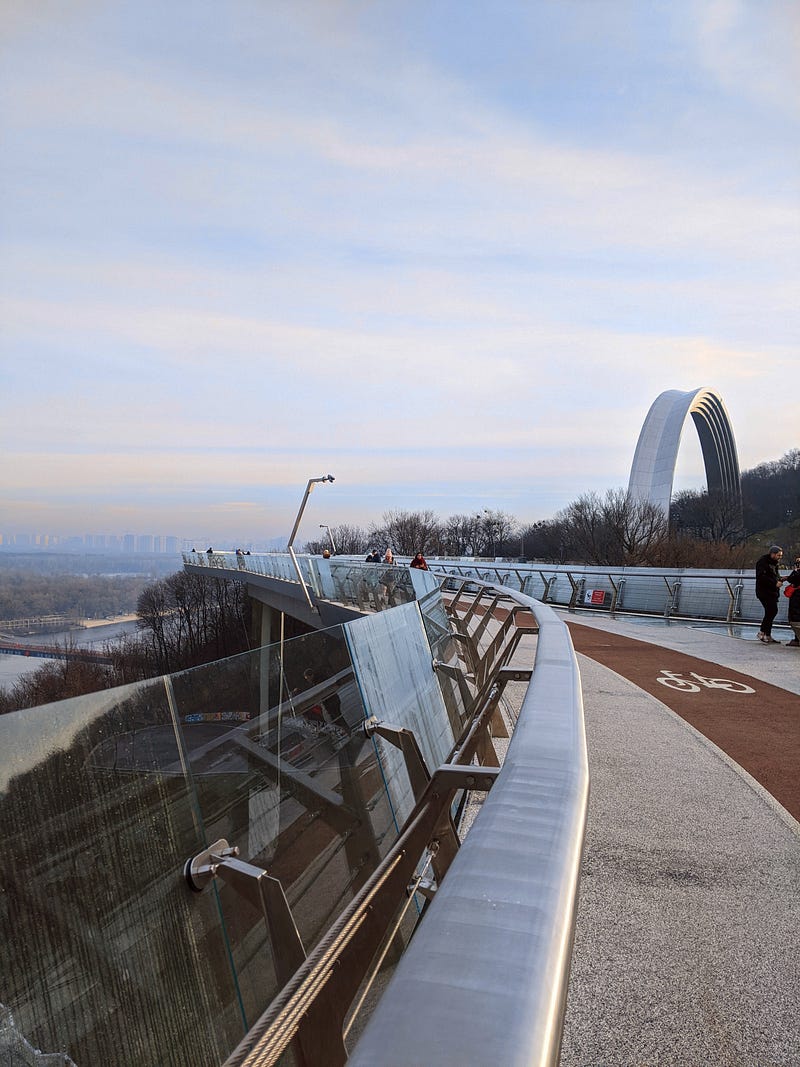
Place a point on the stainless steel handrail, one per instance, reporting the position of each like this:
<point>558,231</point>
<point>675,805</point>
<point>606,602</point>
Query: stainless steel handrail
<point>485,977</point>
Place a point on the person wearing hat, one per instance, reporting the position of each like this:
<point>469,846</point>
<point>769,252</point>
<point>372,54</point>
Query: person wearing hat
<point>768,587</point>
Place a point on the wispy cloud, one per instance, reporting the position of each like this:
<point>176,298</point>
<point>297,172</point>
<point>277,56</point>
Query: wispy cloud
<point>238,249</point>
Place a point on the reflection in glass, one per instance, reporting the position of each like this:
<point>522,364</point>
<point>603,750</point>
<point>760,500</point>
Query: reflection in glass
<point>394,668</point>
<point>282,769</point>
<point>103,955</point>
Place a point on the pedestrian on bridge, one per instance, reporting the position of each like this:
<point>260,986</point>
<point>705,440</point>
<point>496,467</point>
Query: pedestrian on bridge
<point>792,590</point>
<point>768,587</point>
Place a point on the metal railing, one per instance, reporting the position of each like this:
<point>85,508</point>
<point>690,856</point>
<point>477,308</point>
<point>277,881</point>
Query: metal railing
<point>727,596</point>
<point>503,902</point>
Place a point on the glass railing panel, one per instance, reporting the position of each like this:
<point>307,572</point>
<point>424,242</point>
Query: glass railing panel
<point>372,586</point>
<point>423,582</point>
<point>103,954</point>
<point>358,585</point>
<point>392,661</point>
<point>283,770</point>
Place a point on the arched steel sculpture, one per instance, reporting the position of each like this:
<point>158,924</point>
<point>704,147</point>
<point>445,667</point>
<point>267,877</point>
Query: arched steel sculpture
<point>653,468</point>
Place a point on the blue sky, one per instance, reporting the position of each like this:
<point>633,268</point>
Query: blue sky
<point>449,252</point>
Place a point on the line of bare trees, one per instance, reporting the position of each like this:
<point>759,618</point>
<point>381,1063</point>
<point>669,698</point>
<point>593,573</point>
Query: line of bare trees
<point>613,529</point>
<point>407,532</point>
<point>184,620</point>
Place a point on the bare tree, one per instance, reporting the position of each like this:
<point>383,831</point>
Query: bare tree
<point>637,527</point>
<point>463,535</point>
<point>547,540</point>
<point>498,533</point>
<point>615,530</point>
<point>349,541</point>
<point>408,532</point>
<point>708,516</point>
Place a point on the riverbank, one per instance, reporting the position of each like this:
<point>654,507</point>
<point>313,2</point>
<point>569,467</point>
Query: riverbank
<point>92,632</point>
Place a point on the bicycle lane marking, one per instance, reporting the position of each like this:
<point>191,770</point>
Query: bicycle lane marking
<point>760,730</point>
<point>694,682</point>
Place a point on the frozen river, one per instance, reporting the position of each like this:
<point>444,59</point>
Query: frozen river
<point>96,634</point>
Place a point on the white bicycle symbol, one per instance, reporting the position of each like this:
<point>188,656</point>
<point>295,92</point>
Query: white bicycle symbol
<point>673,680</point>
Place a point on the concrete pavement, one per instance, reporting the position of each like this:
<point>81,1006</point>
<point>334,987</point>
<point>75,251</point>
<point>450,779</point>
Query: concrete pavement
<point>687,948</point>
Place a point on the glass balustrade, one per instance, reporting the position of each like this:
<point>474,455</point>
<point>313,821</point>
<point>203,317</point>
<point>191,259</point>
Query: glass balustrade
<point>647,590</point>
<point>103,955</point>
<point>106,955</point>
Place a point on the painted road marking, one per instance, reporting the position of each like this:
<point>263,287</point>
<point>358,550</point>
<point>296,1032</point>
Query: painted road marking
<point>675,680</point>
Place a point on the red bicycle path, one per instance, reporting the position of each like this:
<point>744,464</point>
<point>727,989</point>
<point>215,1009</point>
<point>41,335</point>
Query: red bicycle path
<point>760,730</point>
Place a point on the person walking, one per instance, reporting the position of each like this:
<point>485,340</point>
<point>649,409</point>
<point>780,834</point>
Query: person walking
<point>418,562</point>
<point>389,579</point>
<point>768,587</point>
<point>792,590</point>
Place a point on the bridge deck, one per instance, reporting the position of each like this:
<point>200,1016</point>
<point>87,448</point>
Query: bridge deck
<point>687,948</point>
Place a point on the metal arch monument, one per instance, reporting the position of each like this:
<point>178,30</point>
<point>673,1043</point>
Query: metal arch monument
<point>653,468</point>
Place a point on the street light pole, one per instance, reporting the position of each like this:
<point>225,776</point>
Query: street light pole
<point>322,526</point>
<point>490,524</point>
<point>309,489</point>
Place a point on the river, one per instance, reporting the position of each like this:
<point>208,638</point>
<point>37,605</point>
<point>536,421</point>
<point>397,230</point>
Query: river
<point>96,634</point>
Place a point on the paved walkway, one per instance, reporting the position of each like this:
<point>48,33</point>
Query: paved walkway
<point>755,722</point>
<point>687,947</point>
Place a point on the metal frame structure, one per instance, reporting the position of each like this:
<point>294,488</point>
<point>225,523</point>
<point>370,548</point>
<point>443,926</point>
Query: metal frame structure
<point>356,584</point>
<point>732,584</point>
<point>315,1009</point>
<point>485,978</point>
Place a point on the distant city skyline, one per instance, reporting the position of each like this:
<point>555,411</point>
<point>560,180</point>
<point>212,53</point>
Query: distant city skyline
<point>450,253</point>
<point>151,543</point>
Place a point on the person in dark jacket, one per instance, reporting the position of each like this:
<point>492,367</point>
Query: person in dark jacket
<point>794,603</point>
<point>768,587</point>
<point>419,562</point>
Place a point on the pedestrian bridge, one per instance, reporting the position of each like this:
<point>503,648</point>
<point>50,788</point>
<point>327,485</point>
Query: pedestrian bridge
<point>227,865</point>
<point>343,587</point>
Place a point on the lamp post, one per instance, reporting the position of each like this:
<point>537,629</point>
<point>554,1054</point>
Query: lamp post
<point>309,489</point>
<point>322,526</point>
<point>490,523</point>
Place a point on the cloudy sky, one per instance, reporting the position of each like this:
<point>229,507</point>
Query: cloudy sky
<point>450,252</point>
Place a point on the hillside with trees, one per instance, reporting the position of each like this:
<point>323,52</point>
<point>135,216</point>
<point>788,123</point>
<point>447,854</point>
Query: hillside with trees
<point>24,595</point>
<point>183,620</point>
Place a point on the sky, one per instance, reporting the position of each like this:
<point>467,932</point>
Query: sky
<point>449,252</point>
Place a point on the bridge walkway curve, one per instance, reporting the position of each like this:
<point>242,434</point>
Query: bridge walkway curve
<point>687,948</point>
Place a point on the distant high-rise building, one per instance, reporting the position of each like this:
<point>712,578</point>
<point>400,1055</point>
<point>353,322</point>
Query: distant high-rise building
<point>129,543</point>
<point>171,545</point>
<point>144,543</point>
